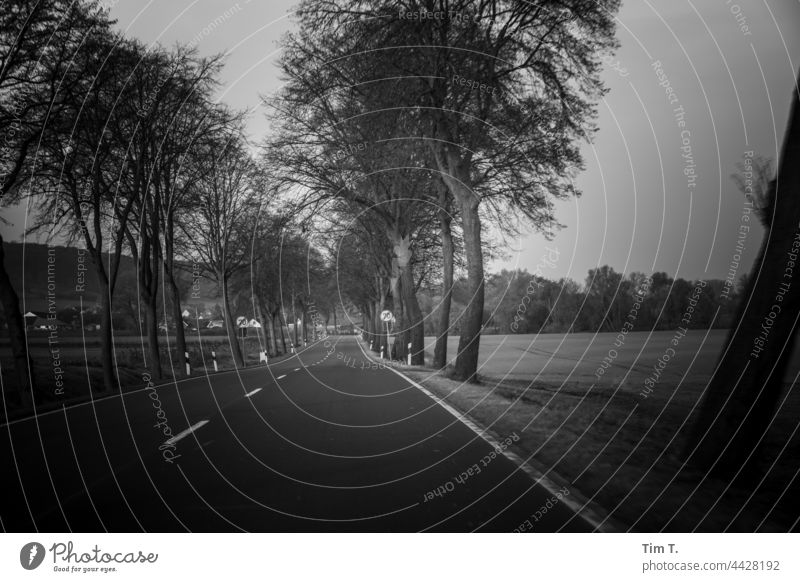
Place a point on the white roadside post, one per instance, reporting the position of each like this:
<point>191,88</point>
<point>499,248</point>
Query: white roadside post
<point>409,353</point>
<point>214,360</point>
<point>188,366</point>
<point>386,316</point>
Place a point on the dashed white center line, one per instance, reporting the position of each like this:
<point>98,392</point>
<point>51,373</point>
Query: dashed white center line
<point>279,377</point>
<point>249,394</point>
<point>297,369</point>
<point>186,432</point>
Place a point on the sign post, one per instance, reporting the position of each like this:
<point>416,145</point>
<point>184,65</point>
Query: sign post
<point>241,321</point>
<point>386,317</point>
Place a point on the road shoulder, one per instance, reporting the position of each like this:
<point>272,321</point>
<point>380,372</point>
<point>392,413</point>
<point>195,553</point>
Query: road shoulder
<point>439,389</point>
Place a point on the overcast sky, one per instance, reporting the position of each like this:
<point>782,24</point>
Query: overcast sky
<point>731,67</point>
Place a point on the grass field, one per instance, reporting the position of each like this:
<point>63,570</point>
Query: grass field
<point>618,446</point>
<point>574,358</point>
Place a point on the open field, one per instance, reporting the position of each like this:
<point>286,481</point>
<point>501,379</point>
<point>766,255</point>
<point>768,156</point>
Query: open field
<point>619,446</point>
<point>574,358</point>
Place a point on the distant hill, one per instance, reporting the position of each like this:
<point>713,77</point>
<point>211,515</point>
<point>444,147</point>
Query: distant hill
<point>72,276</point>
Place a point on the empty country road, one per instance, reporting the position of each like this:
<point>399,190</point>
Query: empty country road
<point>324,441</point>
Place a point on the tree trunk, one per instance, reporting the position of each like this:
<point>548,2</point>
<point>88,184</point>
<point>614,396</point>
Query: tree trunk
<point>265,319</point>
<point>742,397</point>
<point>466,366</point>
<point>368,323</point>
<point>151,324</point>
<point>413,317</point>
<point>230,325</point>
<point>274,324</point>
<point>148,275</point>
<point>294,323</point>
<point>23,365</point>
<point>269,330</point>
<point>382,339</point>
<point>107,339</point>
<point>282,323</point>
<point>455,172</point>
<point>177,315</point>
<point>399,325</point>
<point>443,319</point>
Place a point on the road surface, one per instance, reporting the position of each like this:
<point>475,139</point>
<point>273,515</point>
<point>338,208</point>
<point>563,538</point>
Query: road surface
<point>322,441</point>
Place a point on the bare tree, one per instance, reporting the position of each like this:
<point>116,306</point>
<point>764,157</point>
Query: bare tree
<point>37,44</point>
<point>220,228</point>
<point>516,143</point>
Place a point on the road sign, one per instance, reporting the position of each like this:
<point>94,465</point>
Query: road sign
<point>241,321</point>
<point>386,315</point>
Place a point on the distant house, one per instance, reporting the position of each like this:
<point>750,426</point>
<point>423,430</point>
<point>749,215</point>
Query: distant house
<point>30,317</point>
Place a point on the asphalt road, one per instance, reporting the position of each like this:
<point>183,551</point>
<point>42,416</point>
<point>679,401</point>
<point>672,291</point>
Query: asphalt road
<point>319,442</point>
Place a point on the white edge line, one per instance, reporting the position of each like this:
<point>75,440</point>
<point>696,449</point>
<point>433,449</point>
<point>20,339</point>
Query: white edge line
<point>186,432</point>
<point>581,511</point>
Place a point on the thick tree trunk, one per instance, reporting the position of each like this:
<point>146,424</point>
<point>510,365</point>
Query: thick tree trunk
<point>151,324</point>
<point>370,315</point>
<point>269,330</point>
<point>177,315</point>
<point>23,366</point>
<point>366,323</point>
<point>466,366</point>
<point>265,319</point>
<point>230,325</point>
<point>294,323</point>
<point>274,324</point>
<point>413,317</point>
<point>148,269</point>
<point>456,176</point>
<point>742,397</point>
<point>282,324</point>
<point>382,340</point>
<point>443,316</point>
<point>107,339</point>
<point>399,326</point>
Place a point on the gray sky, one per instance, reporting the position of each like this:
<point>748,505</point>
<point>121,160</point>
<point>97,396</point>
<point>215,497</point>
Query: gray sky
<point>637,211</point>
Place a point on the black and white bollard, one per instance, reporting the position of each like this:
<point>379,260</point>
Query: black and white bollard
<point>409,353</point>
<point>382,353</point>
<point>214,360</point>
<point>188,365</point>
